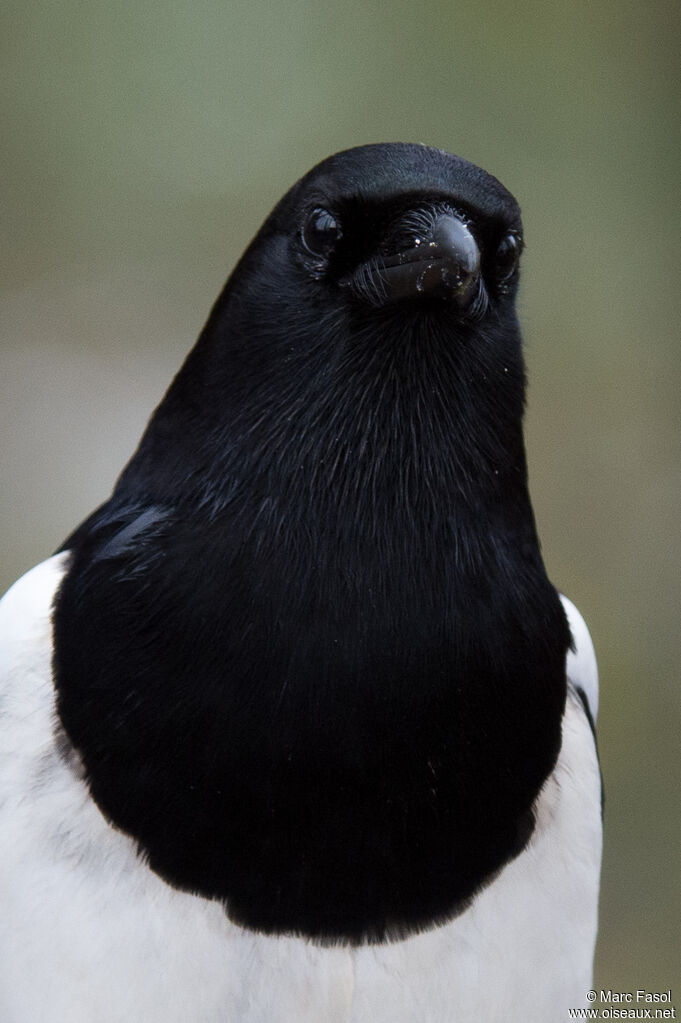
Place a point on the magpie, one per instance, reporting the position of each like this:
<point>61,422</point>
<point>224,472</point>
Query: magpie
<point>294,727</point>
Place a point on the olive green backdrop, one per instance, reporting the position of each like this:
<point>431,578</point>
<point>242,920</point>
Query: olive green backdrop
<point>144,143</point>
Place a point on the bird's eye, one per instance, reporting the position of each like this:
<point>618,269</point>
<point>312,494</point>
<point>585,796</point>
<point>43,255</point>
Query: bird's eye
<point>506,260</point>
<point>321,232</point>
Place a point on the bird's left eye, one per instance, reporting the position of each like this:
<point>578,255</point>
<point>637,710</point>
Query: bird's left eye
<point>321,232</point>
<point>506,260</point>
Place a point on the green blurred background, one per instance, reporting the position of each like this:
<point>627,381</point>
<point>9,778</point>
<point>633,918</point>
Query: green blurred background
<point>143,144</point>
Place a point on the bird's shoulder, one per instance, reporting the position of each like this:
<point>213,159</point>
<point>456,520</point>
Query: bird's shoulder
<point>582,668</point>
<point>26,691</point>
<point>25,615</point>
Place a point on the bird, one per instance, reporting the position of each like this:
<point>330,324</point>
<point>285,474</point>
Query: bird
<point>295,727</point>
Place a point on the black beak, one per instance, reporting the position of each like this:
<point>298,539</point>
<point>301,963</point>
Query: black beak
<point>444,264</point>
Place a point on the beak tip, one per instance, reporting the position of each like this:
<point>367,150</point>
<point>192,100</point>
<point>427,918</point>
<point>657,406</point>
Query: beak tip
<point>454,239</point>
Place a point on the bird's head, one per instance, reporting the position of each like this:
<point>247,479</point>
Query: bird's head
<point>381,242</point>
<point>378,298</point>
<point>387,230</point>
<point>400,224</point>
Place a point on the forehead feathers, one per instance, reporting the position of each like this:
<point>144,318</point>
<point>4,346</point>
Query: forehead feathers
<point>387,171</point>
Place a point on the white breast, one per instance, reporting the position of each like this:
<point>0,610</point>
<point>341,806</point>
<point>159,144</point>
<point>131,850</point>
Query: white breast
<point>89,933</point>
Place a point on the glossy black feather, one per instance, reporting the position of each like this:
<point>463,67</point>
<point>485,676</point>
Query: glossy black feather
<point>308,651</point>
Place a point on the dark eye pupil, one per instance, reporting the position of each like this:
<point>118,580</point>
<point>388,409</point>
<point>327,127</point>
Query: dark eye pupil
<point>508,254</point>
<point>321,232</point>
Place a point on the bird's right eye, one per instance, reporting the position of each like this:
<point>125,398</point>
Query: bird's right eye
<point>321,232</point>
